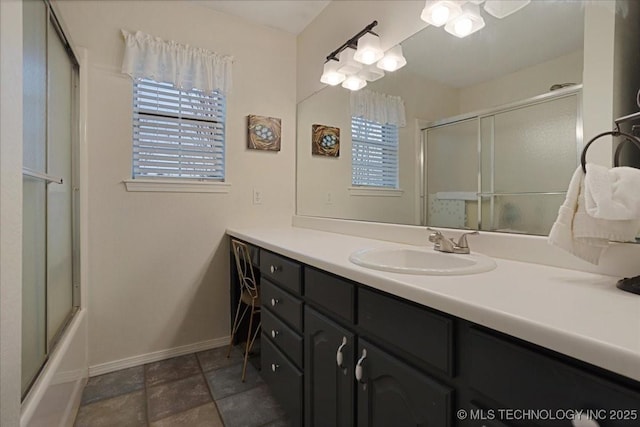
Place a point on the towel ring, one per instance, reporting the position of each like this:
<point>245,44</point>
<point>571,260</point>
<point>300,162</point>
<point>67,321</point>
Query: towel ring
<point>616,156</point>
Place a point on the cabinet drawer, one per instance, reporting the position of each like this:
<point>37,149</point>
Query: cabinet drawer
<point>281,270</point>
<point>517,377</point>
<point>284,305</point>
<point>283,336</point>
<point>414,330</point>
<point>284,380</point>
<point>331,292</point>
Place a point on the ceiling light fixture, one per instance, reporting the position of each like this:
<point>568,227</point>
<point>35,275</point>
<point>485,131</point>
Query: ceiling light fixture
<point>330,74</point>
<point>368,49</point>
<point>439,12</point>
<point>354,83</point>
<point>468,22</point>
<point>501,9</point>
<point>345,64</point>
<point>371,73</point>
<point>393,59</point>
<point>348,63</point>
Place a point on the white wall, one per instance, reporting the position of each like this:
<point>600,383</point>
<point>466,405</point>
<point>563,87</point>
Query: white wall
<point>10,210</point>
<point>597,92</point>
<point>159,262</point>
<point>522,84</point>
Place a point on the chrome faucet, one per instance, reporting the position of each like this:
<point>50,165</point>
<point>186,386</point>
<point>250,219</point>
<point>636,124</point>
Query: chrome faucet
<point>442,244</point>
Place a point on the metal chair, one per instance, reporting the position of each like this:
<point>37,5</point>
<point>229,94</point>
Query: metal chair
<point>249,296</point>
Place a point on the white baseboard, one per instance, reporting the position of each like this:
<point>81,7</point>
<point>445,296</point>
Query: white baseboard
<point>129,362</point>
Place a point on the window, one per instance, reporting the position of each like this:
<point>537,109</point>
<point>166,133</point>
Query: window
<point>374,153</point>
<point>177,133</point>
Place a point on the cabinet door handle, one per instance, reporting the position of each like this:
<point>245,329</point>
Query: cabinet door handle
<point>274,301</point>
<point>275,268</point>
<point>339,355</point>
<point>359,365</point>
<point>274,367</point>
<point>584,421</point>
<point>274,333</point>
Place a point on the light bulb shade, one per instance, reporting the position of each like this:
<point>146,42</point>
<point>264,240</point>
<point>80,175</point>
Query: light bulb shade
<point>468,22</point>
<point>354,83</point>
<point>348,65</point>
<point>330,74</point>
<point>368,49</point>
<point>501,9</point>
<point>393,59</point>
<point>371,73</point>
<point>439,12</point>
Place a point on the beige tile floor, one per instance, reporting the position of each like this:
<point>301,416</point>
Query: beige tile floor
<point>196,390</point>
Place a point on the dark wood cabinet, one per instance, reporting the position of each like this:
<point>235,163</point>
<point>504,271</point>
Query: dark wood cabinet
<point>392,393</point>
<point>518,377</point>
<point>420,366</point>
<point>284,379</point>
<point>328,385</point>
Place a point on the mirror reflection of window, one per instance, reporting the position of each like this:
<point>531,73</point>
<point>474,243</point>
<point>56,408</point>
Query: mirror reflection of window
<point>374,153</point>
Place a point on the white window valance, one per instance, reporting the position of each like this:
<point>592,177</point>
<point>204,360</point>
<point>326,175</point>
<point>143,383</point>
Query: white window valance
<point>378,107</point>
<point>184,66</point>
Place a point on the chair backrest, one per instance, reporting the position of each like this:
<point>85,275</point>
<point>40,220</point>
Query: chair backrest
<point>246,276</point>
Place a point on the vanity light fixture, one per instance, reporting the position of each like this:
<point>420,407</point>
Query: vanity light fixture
<point>330,74</point>
<point>345,64</point>
<point>393,59</point>
<point>354,82</point>
<point>348,64</point>
<point>439,12</point>
<point>501,9</point>
<point>462,17</point>
<point>468,22</point>
<point>368,49</point>
<point>371,73</point>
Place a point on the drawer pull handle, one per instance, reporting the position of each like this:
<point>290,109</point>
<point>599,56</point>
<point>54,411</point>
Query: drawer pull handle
<point>274,333</point>
<point>275,268</point>
<point>339,355</point>
<point>359,365</point>
<point>274,301</point>
<point>584,421</point>
<point>274,367</point>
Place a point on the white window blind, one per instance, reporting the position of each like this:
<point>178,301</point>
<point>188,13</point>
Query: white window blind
<point>177,133</point>
<point>374,153</point>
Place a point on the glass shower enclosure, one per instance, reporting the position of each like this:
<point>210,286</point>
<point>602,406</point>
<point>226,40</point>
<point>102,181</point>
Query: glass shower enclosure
<point>50,133</point>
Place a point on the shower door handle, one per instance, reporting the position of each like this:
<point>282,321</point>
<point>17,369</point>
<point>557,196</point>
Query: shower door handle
<point>43,176</point>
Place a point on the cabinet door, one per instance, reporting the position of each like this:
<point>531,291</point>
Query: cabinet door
<point>329,388</point>
<point>284,380</point>
<point>391,393</point>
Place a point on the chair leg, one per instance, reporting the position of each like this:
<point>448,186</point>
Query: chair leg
<point>236,324</point>
<point>249,343</point>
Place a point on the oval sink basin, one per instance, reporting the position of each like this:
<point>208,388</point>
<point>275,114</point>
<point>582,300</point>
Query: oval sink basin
<point>422,261</point>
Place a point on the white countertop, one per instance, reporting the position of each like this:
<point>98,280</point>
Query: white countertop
<point>582,315</point>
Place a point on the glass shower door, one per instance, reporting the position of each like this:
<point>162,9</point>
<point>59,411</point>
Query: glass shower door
<point>49,134</point>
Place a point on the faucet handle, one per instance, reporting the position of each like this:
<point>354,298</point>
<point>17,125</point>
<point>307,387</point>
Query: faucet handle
<point>462,241</point>
<point>435,236</point>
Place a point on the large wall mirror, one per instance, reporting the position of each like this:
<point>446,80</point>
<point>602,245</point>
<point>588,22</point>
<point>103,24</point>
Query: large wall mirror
<point>493,126</point>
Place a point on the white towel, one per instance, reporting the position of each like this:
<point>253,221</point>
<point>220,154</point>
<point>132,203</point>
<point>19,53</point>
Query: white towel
<point>612,193</point>
<point>583,235</point>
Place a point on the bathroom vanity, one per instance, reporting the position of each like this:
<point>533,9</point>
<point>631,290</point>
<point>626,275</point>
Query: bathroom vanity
<point>520,345</point>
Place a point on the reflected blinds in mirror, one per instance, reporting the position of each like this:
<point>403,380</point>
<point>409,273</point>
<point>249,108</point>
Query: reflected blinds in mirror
<point>374,153</point>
